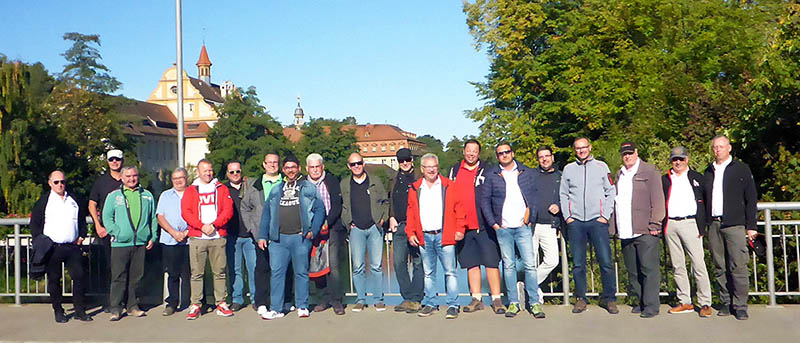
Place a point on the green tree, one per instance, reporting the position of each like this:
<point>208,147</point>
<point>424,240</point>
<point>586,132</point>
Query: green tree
<point>245,132</point>
<point>327,138</point>
<point>83,66</point>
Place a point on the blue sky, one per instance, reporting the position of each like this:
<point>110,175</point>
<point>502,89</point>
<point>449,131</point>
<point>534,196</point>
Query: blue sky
<point>407,63</point>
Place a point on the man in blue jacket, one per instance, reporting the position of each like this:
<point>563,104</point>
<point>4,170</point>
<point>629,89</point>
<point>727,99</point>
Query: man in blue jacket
<point>508,204</point>
<point>292,216</point>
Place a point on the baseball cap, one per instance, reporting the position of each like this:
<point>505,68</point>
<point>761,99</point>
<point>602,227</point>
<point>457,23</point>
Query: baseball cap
<point>627,146</point>
<point>678,151</point>
<point>114,153</point>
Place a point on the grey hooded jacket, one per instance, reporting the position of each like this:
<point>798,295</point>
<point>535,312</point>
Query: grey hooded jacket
<point>587,191</point>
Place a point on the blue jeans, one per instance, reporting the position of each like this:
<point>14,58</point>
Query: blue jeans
<point>362,242</point>
<point>411,286</point>
<point>580,233</point>
<point>244,246</point>
<point>292,248</point>
<point>432,250</point>
<point>522,237</point>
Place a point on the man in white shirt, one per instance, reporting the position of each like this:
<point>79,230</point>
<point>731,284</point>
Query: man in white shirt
<point>61,216</point>
<point>639,211</point>
<point>684,229</point>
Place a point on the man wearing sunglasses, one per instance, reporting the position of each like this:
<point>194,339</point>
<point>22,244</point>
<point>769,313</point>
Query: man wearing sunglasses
<point>639,211</point>
<point>508,203</point>
<point>587,201</point>
<point>684,229</point>
<point>240,242</point>
<point>365,207</point>
<point>61,216</point>
<point>411,287</point>
<point>110,181</point>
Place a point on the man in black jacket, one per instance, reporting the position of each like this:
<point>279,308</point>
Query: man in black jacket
<point>684,229</point>
<point>411,287</point>
<point>61,216</point>
<point>328,186</point>
<point>731,202</point>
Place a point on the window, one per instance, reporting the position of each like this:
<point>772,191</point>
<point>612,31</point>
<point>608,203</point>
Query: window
<point>383,148</point>
<point>366,149</point>
<point>174,89</point>
<point>374,149</point>
<point>391,148</point>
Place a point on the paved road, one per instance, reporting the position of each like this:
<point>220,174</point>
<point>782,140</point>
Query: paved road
<point>35,323</point>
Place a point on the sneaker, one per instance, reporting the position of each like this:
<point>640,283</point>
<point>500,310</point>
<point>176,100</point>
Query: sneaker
<point>705,311</point>
<point>235,307</point>
<point>262,310</point>
<point>537,312</point>
<point>321,307</point>
<point>116,316</point>
<point>580,306</point>
<point>136,312</point>
<point>380,306</point>
<point>646,314</point>
<point>223,310</point>
<point>682,308</point>
<point>426,311</point>
<point>168,311</point>
<point>61,317</point>
<point>359,307</point>
<point>512,310</point>
<point>194,312</point>
<point>610,306</point>
<point>338,309</point>
<point>452,313</point>
<point>497,306</point>
<point>741,314</point>
<point>270,315</point>
<point>475,305</point>
<point>403,307</point>
<point>413,307</point>
<point>303,313</point>
<point>724,311</point>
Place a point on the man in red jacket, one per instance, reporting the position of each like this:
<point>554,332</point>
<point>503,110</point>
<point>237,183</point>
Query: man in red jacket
<point>207,207</point>
<point>432,228</point>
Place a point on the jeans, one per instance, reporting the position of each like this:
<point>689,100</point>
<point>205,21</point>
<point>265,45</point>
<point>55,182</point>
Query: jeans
<point>363,242</point>
<point>297,250</point>
<point>432,251</point>
<point>243,247</point>
<point>176,264</point>
<point>580,233</point>
<point>411,286</point>
<point>522,237</point>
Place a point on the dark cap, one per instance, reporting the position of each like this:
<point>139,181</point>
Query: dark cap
<point>404,154</point>
<point>290,158</point>
<point>627,146</point>
<point>678,151</point>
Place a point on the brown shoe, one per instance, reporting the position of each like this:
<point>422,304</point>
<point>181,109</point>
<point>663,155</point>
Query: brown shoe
<point>705,311</point>
<point>682,308</point>
<point>136,312</point>
<point>475,305</point>
<point>498,307</point>
<point>403,307</point>
<point>380,306</point>
<point>579,306</point>
<point>610,306</point>
<point>321,307</point>
<point>413,307</point>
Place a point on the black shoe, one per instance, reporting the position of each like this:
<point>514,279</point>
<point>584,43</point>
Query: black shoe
<point>82,316</point>
<point>338,309</point>
<point>741,314</point>
<point>724,311</point>
<point>452,313</point>
<point>236,307</point>
<point>636,309</point>
<point>648,315</point>
<point>60,316</point>
<point>106,309</point>
<point>426,311</point>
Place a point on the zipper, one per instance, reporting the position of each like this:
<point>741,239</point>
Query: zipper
<point>584,190</point>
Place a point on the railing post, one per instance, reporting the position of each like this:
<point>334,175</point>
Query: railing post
<point>564,271</point>
<point>17,267</point>
<point>770,258</point>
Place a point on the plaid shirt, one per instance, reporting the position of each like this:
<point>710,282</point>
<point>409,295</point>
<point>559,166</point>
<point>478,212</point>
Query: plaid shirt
<point>323,190</point>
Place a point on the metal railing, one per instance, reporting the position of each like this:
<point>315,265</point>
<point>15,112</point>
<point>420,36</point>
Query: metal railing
<point>788,230</point>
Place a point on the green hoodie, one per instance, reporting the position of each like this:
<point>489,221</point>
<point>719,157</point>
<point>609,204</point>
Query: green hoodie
<point>119,224</point>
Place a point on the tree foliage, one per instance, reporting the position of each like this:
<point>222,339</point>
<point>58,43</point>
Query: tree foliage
<point>327,138</point>
<point>83,65</point>
<point>659,72</point>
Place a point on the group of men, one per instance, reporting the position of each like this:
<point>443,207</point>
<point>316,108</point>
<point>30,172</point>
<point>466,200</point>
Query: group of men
<point>477,216</point>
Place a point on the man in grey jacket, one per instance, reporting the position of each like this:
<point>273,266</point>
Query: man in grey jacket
<point>587,199</point>
<point>638,214</point>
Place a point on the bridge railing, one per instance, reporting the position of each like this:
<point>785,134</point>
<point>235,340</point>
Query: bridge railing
<point>784,234</point>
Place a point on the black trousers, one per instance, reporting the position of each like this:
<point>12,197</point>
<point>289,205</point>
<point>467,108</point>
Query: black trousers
<point>176,264</point>
<point>330,284</point>
<point>262,276</point>
<point>644,277</point>
<point>101,268</point>
<point>70,255</point>
<point>127,270</point>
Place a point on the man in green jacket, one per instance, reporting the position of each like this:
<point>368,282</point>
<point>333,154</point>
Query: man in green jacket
<point>129,216</point>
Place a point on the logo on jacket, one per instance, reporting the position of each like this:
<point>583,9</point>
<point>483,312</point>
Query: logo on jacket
<point>207,199</point>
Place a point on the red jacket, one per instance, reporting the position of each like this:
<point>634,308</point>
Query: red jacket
<point>455,218</point>
<point>190,210</point>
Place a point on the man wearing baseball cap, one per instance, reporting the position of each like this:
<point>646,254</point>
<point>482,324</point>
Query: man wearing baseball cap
<point>684,229</point>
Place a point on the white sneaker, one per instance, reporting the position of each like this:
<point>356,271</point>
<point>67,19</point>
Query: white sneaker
<point>303,313</point>
<point>270,315</point>
<point>262,310</point>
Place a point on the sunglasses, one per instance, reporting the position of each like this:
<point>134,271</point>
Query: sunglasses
<point>678,159</point>
<point>627,153</point>
<point>357,163</point>
<point>59,182</point>
<point>405,160</point>
<point>505,152</point>
<point>234,172</point>
<point>114,159</point>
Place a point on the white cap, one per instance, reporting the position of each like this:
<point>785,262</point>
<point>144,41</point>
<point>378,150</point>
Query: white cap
<point>114,153</point>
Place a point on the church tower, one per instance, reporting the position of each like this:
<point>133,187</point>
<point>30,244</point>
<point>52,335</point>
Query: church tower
<point>298,115</point>
<point>204,66</point>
